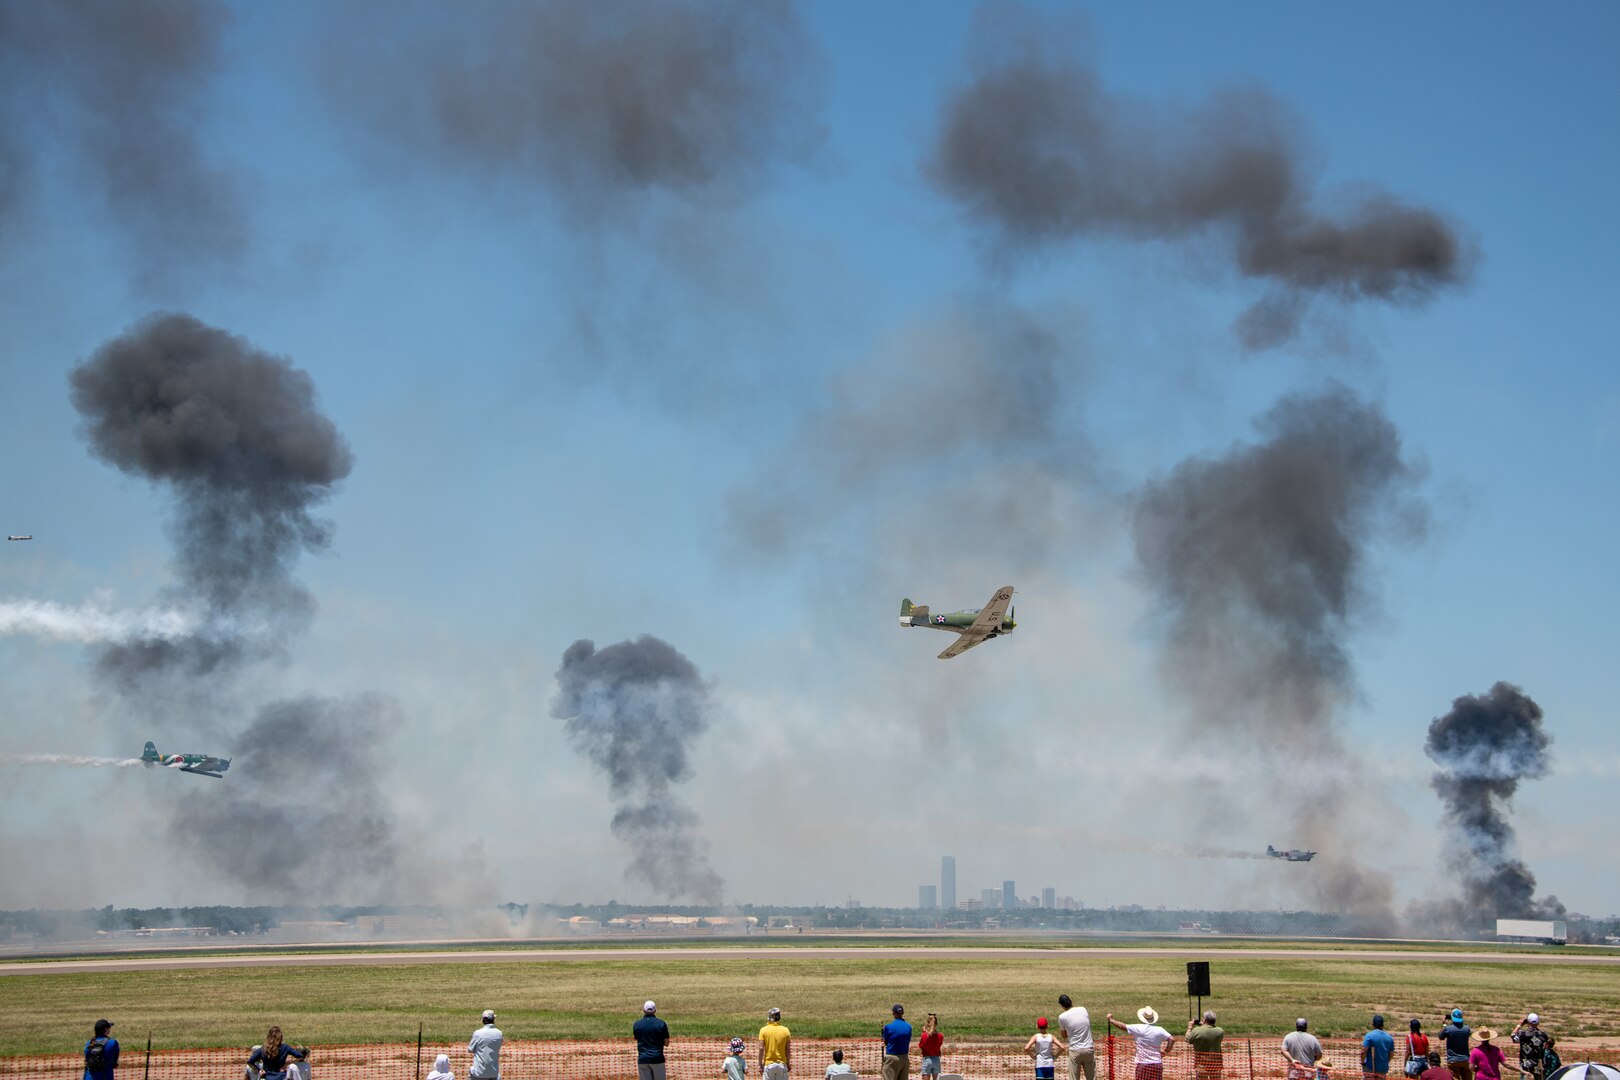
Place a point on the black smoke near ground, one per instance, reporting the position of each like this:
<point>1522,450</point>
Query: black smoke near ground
<point>1484,747</point>
<point>303,813</point>
<point>235,434</point>
<point>1258,561</point>
<point>636,709</point>
<point>597,102</point>
<point>115,93</point>
<point>1035,149</point>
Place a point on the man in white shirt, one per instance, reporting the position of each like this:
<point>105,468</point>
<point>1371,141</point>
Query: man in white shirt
<point>1075,1023</point>
<point>1151,1042</point>
<point>485,1047</point>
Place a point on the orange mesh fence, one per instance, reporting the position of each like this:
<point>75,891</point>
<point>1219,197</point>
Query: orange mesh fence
<point>696,1059</point>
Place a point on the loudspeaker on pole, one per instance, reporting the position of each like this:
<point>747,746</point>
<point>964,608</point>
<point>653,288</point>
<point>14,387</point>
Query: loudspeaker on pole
<point>1198,978</point>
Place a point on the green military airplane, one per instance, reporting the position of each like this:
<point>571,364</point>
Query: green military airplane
<point>971,627</point>
<point>201,764</point>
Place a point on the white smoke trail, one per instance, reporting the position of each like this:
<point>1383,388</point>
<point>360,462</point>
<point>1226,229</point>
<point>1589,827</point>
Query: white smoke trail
<point>87,624</point>
<point>77,760</point>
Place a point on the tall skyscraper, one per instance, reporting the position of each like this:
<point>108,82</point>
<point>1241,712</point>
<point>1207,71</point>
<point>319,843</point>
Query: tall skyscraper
<point>947,882</point>
<point>926,897</point>
<point>990,898</point>
<point>1009,895</point>
<point>1049,897</point>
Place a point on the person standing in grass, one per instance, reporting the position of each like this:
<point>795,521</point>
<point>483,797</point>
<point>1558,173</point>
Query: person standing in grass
<point>1487,1057</point>
<point>485,1048</point>
<point>1377,1047</point>
<point>1302,1049</point>
<point>931,1045</point>
<point>651,1034</point>
<point>1042,1046</point>
<point>271,1056</point>
<point>1074,1024</point>
<point>735,1067</point>
<point>1456,1036</point>
<point>1205,1040</point>
<point>1533,1046</point>
<point>775,1047</point>
<point>1152,1041</point>
<point>896,1045</point>
<point>101,1053</point>
<point>1417,1049</point>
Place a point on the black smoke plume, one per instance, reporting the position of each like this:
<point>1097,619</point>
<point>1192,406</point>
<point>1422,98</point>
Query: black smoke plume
<point>597,102</point>
<point>1033,147</point>
<point>303,812</point>
<point>115,93</point>
<point>235,434</point>
<point>1258,559</point>
<point>635,709</point>
<point>1484,747</point>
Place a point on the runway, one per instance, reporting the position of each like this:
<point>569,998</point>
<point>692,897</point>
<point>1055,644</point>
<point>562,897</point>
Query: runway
<point>756,952</point>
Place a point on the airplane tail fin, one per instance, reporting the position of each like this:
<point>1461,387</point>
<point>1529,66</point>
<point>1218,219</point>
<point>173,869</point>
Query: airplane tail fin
<point>150,753</point>
<point>905,606</point>
<point>1270,850</point>
<point>912,614</point>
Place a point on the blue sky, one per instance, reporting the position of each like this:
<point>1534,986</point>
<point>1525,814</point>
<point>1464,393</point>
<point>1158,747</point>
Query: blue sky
<point>564,405</point>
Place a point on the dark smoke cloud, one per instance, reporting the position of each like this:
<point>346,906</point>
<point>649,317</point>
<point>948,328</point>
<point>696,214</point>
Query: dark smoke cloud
<point>1258,559</point>
<point>235,433</point>
<point>303,812</point>
<point>1484,747</point>
<point>635,709</point>
<point>1035,149</point>
<point>115,92</point>
<point>597,102</point>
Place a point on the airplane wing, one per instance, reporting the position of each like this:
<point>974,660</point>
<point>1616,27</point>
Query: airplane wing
<point>991,614</point>
<point>987,623</point>
<point>208,767</point>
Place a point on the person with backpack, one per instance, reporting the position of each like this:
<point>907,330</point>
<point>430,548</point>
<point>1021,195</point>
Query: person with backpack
<point>101,1053</point>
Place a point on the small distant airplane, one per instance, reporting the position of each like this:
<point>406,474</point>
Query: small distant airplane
<point>971,627</point>
<point>201,764</point>
<point>1292,855</point>
<point>19,538</point>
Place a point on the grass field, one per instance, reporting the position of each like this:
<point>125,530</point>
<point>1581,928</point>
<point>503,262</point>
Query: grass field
<point>840,997</point>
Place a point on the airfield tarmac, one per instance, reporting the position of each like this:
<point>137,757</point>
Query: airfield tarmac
<point>374,958</point>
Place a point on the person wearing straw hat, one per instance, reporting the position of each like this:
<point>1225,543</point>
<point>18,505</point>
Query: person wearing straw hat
<point>1487,1057</point>
<point>1152,1042</point>
<point>1533,1046</point>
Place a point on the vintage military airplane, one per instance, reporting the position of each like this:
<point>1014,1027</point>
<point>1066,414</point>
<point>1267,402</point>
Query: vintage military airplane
<point>971,627</point>
<point>1292,854</point>
<point>19,538</point>
<point>201,764</point>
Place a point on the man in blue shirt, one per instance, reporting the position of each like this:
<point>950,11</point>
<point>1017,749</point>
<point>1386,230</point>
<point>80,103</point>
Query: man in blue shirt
<point>1456,1035</point>
<point>897,1046</point>
<point>101,1053</point>
<point>651,1034</point>
<point>1377,1046</point>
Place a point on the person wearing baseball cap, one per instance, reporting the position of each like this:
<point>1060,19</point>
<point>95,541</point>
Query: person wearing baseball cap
<point>1042,1046</point>
<point>1377,1048</point>
<point>485,1047</point>
<point>775,1047</point>
<point>651,1036</point>
<point>1301,1050</point>
<point>896,1045</point>
<point>1534,1045</point>
<point>1457,1035</point>
<point>101,1053</point>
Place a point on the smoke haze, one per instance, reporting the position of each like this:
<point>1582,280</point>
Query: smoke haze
<point>87,624</point>
<point>635,710</point>
<point>304,813</point>
<point>235,434</point>
<point>117,92</point>
<point>1484,747</point>
<point>1033,148</point>
<point>1258,561</point>
<point>596,102</point>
